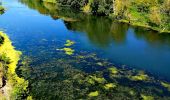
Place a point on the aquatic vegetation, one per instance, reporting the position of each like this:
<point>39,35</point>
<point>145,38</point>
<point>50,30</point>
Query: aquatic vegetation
<point>98,79</point>
<point>65,77</point>
<point>81,57</point>
<point>91,81</point>
<point>54,75</point>
<point>144,97</point>
<point>93,94</point>
<point>68,51</point>
<point>131,92</point>
<point>140,77</point>
<point>65,80</point>
<point>1,8</point>
<point>113,70</point>
<point>109,86</point>
<point>166,85</point>
<point>99,63</point>
<point>69,43</point>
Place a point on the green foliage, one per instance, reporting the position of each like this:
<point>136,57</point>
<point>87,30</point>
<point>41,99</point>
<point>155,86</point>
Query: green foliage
<point>4,58</point>
<point>153,14</point>
<point>50,1</point>
<point>102,7</point>
<point>1,40</point>
<point>2,9</point>
<point>75,4</point>
<point>9,57</point>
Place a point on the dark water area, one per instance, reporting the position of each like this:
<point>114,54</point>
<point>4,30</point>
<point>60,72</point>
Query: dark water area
<point>40,30</point>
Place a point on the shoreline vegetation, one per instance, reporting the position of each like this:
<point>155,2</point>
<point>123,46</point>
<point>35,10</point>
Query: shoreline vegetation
<point>152,14</point>
<point>11,86</point>
<point>2,10</point>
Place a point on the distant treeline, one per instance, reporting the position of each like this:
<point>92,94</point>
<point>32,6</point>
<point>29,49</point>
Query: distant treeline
<point>153,14</point>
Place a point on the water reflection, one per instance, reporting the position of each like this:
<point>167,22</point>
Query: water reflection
<point>100,30</point>
<point>52,74</point>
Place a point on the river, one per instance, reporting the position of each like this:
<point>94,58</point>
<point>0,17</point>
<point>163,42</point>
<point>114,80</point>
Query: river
<point>40,31</point>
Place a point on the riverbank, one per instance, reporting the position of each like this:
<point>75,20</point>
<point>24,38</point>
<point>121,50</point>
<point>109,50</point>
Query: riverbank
<point>11,86</point>
<point>147,14</point>
<point>136,24</point>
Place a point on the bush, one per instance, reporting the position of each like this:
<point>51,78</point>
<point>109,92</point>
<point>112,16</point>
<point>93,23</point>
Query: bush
<point>4,59</point>
<point>1,40</point>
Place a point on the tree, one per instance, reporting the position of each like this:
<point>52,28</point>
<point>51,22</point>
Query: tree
<point>120,7</point>
<point>154,16</point>
<point>166,7</point>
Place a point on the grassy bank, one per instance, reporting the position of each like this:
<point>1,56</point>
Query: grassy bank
<point>152,14</point>
<point>11,86</point>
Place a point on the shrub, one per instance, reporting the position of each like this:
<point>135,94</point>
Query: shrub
<point>1,40</point>
<point>4,58</point>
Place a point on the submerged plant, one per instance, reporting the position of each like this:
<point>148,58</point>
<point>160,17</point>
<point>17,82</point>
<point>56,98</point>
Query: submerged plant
<point>113,70</point>
<point>99,63</point>
<point>68,51</point>
<point>166,85</point>
<point>69,43</point>
<point>144,97</point>
<point>109,86</point>
<point>98,79</point>
<point>139,77</point>
<point>93,94</point>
